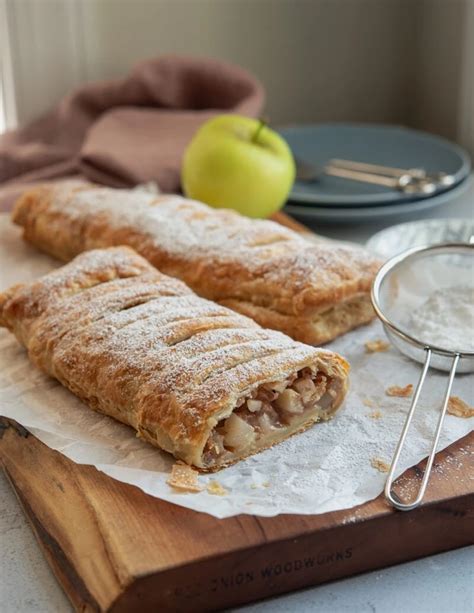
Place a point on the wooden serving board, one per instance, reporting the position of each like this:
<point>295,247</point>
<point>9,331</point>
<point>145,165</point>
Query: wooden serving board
<point>114,548</point>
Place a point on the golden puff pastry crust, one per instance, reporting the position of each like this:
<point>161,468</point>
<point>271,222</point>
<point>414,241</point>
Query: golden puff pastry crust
<point>312,292</point>
<point>192,377</point>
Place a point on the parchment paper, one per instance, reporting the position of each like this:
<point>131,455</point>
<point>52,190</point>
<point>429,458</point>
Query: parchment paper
<point>325,469</point>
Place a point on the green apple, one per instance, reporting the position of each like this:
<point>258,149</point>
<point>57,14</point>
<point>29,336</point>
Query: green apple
<point>239,163</point>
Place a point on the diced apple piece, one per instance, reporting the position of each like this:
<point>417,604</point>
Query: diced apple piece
<point>326,400</point>
<point>268,419</point>
<point>254,405</point>
<point>305,387</point>
<point>238,433</point>
<point>216,443</point>
<point>290,401</point>
<point>266,424</point>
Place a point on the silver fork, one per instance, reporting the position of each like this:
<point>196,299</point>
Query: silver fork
<point>403,182</point>
<point>442,178</point>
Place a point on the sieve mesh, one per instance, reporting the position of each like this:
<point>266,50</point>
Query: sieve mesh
<point>405,284</point>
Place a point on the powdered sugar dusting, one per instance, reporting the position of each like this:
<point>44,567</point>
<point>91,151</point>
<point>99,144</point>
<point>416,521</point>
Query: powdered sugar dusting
<point>324,469</point>
<point>446,319</point>
<point>188,231</point>
<point>144,327</point>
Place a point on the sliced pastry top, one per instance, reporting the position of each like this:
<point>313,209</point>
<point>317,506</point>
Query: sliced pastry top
<point>191,376</point>
<point>219,253</point>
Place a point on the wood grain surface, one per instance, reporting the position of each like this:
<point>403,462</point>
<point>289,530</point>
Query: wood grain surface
<point>114,548</point>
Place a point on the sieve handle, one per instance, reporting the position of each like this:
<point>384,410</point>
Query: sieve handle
<point>389,494</point>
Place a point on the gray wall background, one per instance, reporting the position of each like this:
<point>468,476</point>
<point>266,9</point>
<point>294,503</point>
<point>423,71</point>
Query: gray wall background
<point>399,61</point>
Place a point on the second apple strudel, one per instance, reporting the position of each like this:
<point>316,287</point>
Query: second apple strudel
<point>192,377</point>
<point>312,292</point>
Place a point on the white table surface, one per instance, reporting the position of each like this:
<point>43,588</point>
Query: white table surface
<point>443,583</point>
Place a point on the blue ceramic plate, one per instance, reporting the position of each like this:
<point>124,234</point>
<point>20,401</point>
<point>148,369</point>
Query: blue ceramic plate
<point>339,214</point>
<point>379,144</point>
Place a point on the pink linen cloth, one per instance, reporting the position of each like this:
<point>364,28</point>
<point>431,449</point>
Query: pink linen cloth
<point>126,131</point>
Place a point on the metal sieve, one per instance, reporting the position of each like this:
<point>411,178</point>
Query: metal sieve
<point>401,285</point>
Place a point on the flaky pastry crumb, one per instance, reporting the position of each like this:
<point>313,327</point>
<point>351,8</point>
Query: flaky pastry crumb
<point>380,465</point>
<point>459,408</point>
<point>375,415</point>
<point>376,345</point>
<point>215,488</point>
<point>401,392</point>
<point>184,478</point>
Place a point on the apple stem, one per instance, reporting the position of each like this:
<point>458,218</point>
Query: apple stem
<point>261,124</point>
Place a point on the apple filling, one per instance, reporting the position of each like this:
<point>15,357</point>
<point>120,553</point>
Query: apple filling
<point>262,415</point>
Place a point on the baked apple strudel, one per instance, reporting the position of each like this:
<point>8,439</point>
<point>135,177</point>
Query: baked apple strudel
<point>190,376</point>
<point>312,292</point>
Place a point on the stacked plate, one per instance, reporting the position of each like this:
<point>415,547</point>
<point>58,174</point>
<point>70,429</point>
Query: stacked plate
<point>341,200</point>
